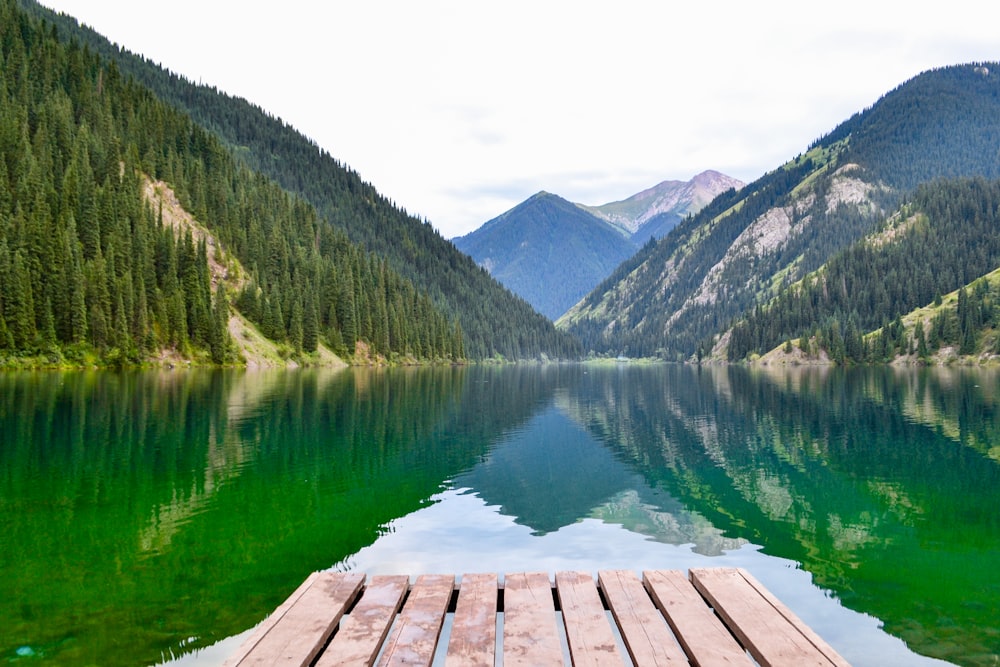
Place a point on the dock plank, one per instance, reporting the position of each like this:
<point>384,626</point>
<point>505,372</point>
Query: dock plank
<point>474,627</point>
<point>645,632</point>
<point>418,627</point>
<point>530,633</point>
<point>299,629</point>
<point>362,632</point>
<point>769,630</point>
<point>715,618</point>
<point>588,632</point>
<point>705,639</point>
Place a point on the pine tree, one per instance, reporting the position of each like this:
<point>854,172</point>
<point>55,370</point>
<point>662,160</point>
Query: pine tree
<point>220,341</point>
<point>295,334</point>
<point>310,324</point>
<point>918,333</point>
<point>19,307</point>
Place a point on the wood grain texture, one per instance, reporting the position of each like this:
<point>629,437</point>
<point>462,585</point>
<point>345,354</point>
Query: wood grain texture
<point>717,618</point>
<point>298,631</point>
<point>644,631</point>
<point>705,639</point>
<point>588,632</point>
<point>474,628</point>
<point>773,635</point>
<point>362,632</point>
<point>530,633</point>
<point>418,627</point>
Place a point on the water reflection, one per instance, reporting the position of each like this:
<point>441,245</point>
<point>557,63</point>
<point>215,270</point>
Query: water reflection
<point>880,482</point>
<point>554,472</point>
<point>149,514</point>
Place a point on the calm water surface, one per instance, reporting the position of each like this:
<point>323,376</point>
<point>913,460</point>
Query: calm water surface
<point>153,516</point>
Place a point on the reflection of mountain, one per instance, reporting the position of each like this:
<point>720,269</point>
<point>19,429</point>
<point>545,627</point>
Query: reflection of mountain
<point>548,474</point>
<point>552,472</point>
<point>196,501</point>
<point>828,469</point>
<point>667,521</point>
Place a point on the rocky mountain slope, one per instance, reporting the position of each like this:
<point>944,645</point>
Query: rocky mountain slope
<point>676,297</point>
<point>653,212</point>
<point>548,250</point>
<point>552,252</point>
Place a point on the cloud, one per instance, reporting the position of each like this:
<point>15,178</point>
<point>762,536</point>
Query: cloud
<point>458,111</point>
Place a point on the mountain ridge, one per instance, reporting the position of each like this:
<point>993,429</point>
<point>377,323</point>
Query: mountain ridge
<point>679,295</point>
<point>585,244</point>
<point>548,250</point>
<point>673,198</point>
<point>494,321</point>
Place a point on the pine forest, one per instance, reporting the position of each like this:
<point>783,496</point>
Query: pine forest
<point>89,271</point>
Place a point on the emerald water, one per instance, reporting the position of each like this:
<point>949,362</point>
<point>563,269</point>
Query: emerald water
<point>156,516</point>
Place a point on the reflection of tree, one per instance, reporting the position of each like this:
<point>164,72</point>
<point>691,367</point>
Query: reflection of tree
<point>676,525</point>
<point>830,468</point>
<point>189,504</point>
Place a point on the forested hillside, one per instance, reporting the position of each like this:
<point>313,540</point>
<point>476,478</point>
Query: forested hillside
<point>88,271</point>
<point>493,320</point>
<point>676,297</point>
<point>945,237</point>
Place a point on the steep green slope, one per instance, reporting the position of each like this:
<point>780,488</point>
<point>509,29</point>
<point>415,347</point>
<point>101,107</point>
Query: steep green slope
<point>548,250</point>
<point>743,249</point>
<point>88,269</point>
<point>945,237</point>
<point>494,321</point>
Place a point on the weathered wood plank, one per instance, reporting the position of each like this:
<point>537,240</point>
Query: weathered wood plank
<point>474,628</point>
<point>705,639</point>
<point>774,636</point>
<point>297,631</point>
<point>644,630</point>
<point>419,625</point>
<point>265,626</point>
<point>362,632</point>
<point>530,634</point>
<point>588,632</point>
<point>806,631</point>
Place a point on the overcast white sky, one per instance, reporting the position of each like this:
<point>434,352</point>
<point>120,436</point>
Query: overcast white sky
<point>457,111</point>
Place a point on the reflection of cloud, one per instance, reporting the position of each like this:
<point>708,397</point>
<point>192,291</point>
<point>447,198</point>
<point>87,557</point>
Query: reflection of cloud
<point>459,533</point>
<point>680,527</point>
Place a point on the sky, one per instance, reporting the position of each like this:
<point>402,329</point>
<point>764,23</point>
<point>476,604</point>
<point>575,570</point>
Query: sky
<point>459,110</point>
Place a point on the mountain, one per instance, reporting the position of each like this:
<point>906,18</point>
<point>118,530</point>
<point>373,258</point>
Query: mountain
<point>924,280</point>
<point>652,213</point>
<point>676,297</point>
<point>548,250</point>
<point>553,252</point>
<point>493,321</point>
<point>130,234</point>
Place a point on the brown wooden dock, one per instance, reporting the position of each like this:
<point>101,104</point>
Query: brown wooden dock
<point>717,616</point>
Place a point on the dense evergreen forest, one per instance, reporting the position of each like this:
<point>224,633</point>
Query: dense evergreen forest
<point>89,273</point>
<point>944,238</point>
<point>494,321</point>
<point>672,298</point>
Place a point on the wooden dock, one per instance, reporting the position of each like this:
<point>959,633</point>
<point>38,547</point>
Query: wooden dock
<point>715,617</point>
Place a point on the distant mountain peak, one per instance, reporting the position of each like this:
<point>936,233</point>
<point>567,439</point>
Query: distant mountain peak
<point>671,198</point>
<point>552,252</point>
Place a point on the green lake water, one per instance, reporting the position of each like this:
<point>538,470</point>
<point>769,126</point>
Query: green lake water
<point>148,517</point>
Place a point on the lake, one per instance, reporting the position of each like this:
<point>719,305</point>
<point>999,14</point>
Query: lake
<point>158,516</point>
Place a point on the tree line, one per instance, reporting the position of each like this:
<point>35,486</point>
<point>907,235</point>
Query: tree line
<point>493,321</point>
<point>944,238</point>
<point>88,269</point>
